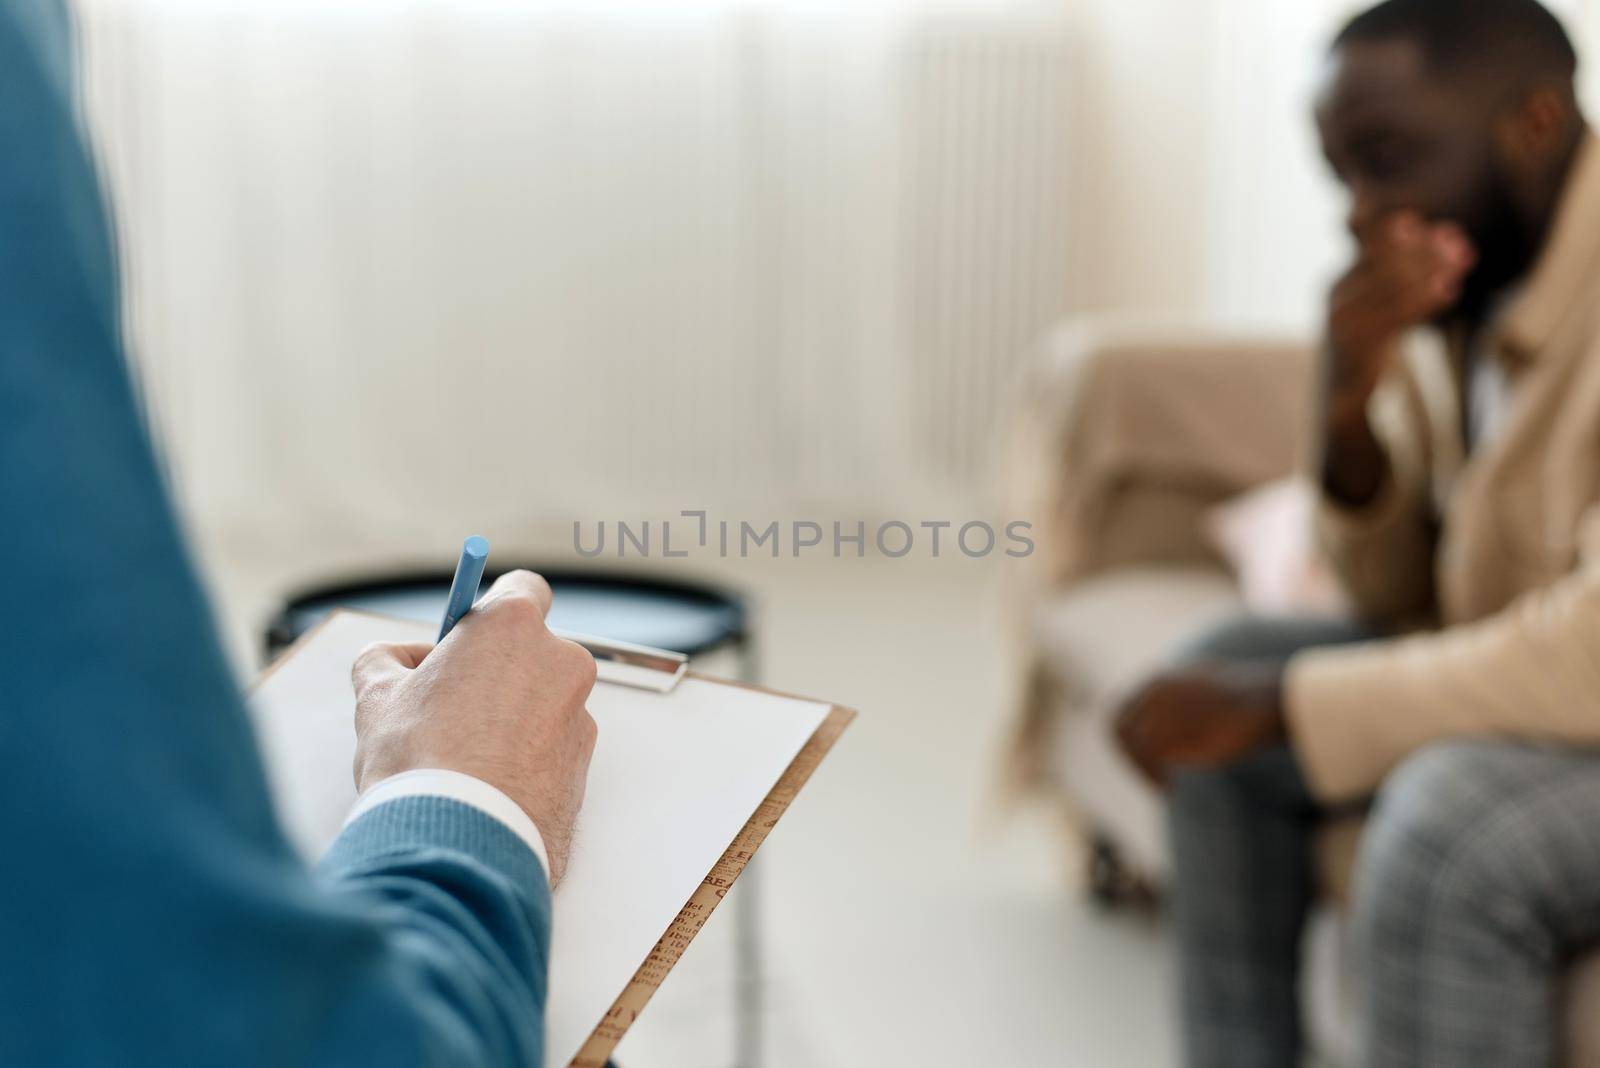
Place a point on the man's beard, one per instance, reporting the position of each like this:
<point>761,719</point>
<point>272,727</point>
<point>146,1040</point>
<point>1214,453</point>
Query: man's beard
<point>1505,250</point>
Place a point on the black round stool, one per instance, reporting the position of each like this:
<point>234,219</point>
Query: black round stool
<point>684,617</point>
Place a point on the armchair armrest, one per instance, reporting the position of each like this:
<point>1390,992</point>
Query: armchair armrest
<point>1127,433</point>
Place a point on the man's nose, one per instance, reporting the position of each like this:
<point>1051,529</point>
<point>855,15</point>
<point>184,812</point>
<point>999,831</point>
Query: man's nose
<point>1364,211</point>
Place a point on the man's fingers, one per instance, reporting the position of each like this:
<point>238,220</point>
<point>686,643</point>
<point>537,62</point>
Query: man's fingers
<point>522,584</point>
<point>1404,241</point>
<point>1446,289</point>
<point>1391,233</point>
<point>1448,237</point>
<point>385,660</point>
<point>1134,730</point>
<point>1405,228</point>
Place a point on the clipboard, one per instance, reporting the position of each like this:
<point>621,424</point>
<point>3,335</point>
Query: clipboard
<point>298,699</point>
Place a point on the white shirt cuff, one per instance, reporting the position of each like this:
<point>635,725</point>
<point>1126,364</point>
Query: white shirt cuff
<point>437,782</point>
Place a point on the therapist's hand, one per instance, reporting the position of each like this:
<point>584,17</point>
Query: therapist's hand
<point>501,699</point>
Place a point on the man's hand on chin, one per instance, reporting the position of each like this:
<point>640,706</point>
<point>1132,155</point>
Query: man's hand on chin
<point>1202,715</point>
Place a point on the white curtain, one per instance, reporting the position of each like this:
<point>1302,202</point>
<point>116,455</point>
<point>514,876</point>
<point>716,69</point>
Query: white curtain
<point>428,264</point>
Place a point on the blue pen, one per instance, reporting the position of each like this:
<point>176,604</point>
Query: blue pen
<point>464,589</point>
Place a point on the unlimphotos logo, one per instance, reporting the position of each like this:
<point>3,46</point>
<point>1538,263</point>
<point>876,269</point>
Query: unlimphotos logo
<point>741,538</point>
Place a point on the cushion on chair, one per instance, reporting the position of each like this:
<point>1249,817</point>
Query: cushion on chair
<point>1098,640</point>
<point>1105,634</point>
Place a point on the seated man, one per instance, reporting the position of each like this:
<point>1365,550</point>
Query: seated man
<point>151,911</point>
<point>1458,485</point>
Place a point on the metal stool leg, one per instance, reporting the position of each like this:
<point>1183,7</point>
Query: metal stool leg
<point>748,978</point>
<point>747,934</point>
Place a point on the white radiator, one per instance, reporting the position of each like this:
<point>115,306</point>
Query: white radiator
<point>401,264</point>
<point>986,206</point>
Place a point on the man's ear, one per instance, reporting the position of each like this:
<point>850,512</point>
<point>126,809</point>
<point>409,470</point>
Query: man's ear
<point>1536,128</point>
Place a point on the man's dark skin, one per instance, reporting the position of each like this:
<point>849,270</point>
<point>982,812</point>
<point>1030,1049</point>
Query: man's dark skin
<point>1453,183</point>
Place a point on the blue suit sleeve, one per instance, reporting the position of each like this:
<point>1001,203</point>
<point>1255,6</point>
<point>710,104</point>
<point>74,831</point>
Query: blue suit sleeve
<point>465,902</point>
<point>151,912</point>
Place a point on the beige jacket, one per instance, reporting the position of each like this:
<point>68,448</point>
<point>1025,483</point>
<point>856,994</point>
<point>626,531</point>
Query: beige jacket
<point>1494,542</point>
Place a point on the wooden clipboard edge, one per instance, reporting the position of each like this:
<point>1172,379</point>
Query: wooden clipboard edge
<point>709,894</point>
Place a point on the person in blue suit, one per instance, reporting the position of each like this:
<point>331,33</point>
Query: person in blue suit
<point>151,912</point>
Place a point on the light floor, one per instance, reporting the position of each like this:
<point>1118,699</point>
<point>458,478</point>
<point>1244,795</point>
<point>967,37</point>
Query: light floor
<point>904,921</point>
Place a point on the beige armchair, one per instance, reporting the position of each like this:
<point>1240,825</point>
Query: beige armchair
<point>1128,435</point>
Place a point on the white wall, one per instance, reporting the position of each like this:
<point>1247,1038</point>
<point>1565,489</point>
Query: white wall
<point>1138,151</point>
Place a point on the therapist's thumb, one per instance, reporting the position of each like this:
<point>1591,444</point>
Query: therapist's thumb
<point>386,661</point>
